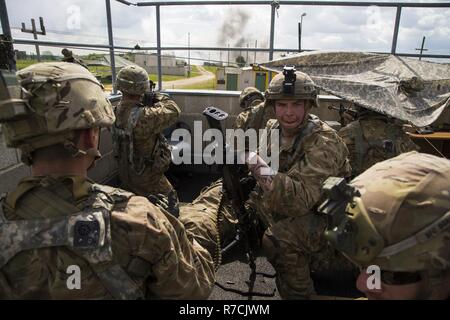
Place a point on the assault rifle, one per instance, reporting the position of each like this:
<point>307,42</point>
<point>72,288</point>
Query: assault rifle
<point>342,110</point>
<point>149,97</point>
<point>247,228</point>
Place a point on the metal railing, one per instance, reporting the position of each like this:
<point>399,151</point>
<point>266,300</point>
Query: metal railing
<point>273,4</point>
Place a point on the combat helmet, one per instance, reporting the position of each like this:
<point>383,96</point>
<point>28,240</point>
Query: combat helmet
<point>249,96</point>
<point>400,218</point>
<point>133,80</point>
<point>46,102</point>
<point>292,84</point>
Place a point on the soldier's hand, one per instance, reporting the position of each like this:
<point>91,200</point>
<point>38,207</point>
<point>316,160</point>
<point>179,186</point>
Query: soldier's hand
<point>260,170</point>
<point>159,200</point>
<point>166,202</point>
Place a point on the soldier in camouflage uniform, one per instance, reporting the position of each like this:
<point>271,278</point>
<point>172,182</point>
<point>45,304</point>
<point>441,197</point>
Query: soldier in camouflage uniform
<point>142,151</point>
<point>400,222</point>
<point>250,97</point>
<point>372,138</point>
<point>255,114</point>
<point>310,152</point>
<point>124,246</point>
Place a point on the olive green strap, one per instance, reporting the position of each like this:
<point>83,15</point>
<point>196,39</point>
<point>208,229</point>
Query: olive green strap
<point>424,235</point>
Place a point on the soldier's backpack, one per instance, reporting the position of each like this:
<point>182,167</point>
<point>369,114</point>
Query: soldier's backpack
<point>157,161</point>
<point>380,145</point>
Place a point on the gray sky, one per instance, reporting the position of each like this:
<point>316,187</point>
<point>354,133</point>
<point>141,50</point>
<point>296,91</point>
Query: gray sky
<point>343,28</point>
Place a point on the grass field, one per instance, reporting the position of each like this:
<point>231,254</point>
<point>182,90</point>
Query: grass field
<point>212,69</point>
<point>154,77</point>
<point>103,73</point>
<point>206,85</point>
<point>25,63</point>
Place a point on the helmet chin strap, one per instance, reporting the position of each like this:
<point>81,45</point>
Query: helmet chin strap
<point>76,152</point>
<point>94,152</point>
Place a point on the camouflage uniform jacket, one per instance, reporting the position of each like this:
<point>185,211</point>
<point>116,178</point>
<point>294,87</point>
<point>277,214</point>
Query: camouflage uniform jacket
<point>148,244</point>
<point>304,164</point>
<point>149,149</point>
<point>255,116</point>
<point>372,139</point>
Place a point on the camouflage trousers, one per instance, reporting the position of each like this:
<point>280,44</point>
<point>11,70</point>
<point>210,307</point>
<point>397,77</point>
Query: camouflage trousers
<point>203,222</point>
<point>296,247</point>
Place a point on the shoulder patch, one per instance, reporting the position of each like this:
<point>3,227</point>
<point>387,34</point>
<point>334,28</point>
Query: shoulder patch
<point>115,194</point>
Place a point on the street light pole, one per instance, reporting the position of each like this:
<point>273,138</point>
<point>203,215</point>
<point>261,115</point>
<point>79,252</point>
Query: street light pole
<point>300,32</point>
<point>422,49</point>
<point>189,54</point>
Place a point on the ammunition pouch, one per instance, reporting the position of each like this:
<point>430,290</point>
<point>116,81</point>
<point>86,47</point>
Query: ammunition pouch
<point>160,158</point>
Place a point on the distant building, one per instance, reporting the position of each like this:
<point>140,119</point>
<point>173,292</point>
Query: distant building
<point>237,79</point>
<point>170,65</point>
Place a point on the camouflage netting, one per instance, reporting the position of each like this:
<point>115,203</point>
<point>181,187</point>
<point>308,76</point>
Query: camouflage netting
<point>404,88</point>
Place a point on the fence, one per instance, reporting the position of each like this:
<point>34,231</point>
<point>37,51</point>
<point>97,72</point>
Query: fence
<point>274,5</point>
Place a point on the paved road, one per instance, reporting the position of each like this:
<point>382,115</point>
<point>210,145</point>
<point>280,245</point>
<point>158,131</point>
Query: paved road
<point>177,84</point>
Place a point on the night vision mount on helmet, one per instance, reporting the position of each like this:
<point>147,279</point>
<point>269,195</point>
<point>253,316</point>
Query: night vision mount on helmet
<point>292,84</point>
<point>395,215</point>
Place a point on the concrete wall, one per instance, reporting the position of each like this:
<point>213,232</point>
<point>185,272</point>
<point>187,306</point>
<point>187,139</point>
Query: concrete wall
<point>246,77</point>
<point>168,63</point>
<point>152,60</point>
<point>171,71</point>
<point>192,104</point>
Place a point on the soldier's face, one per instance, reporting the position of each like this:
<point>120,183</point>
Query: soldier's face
<point>290,113</point>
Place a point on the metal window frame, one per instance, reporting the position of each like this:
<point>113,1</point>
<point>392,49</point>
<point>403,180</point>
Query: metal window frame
<point>274,4</point>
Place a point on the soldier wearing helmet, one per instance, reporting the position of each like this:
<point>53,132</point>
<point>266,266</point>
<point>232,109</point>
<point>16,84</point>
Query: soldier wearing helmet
<point>255,114</point>
<point>250,97</point>
<point>142,151</point>
<point>310,152</point>
<point>395,224</point>
<point>374,137</point>
<point>58,226</point>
